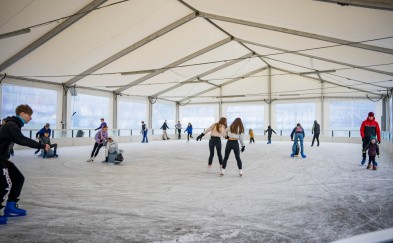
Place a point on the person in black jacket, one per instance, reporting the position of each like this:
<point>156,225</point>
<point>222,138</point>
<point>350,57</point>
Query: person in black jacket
<point>316,129</point>
<point>164,134</point>
<point>11,179</point>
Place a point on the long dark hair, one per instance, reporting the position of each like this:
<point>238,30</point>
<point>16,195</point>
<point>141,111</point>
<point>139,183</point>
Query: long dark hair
<point>237,126</point>
<point>222,121</point>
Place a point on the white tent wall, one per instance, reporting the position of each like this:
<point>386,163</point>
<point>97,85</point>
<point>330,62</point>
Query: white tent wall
<point>15,15</point>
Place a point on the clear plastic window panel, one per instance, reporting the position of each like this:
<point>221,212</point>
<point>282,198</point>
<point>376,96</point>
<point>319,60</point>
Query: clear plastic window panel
<point>252,117</point>
<point>288,115</point>
<point>130,115</point>
<point>42,101</point>
<point>87,111</point>
<point>200,116</point>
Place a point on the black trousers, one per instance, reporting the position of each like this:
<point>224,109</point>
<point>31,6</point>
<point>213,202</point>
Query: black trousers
<point>179,132</point>
<point>316,136</point>
<point>11,181</point>
<point>215,142</point>
<point>365,142</point>
<point>96,149</point>
<point>232,145</point>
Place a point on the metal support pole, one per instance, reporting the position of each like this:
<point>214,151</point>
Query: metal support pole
<point>270,93</point>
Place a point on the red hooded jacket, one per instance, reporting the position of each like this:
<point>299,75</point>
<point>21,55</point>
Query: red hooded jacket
<point>370,128</point>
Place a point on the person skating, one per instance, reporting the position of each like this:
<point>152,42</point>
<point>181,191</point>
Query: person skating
<point>298,131</point>
<point>40,134</point>
<point>101,138</point>
<point>235,135</point>
<point>46,140</point>
<point>251,133</point>
<point>102,125</point>
<point>369,128</point>
<point>373,150</point>
<point>217,131</point>
<point>111,151</point>
<point>11,179</point>
<point>269,132</point>
<point>164,134</point>
<point>189,131</point>
<point>316,129</point>
<point>144,131</point>
<point>178,128</point>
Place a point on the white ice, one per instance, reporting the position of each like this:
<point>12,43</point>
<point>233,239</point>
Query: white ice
<point>163,193</point>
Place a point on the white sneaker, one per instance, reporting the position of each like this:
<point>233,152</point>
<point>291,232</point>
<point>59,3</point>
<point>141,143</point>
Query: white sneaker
<point>90,160</point>
<point>240,173</point>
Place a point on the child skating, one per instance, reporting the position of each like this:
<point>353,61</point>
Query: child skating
<point>269,131</point>
<point>189,132</point>
<point>298,132</point>
<point>251,133</point>
<point>373,150</point>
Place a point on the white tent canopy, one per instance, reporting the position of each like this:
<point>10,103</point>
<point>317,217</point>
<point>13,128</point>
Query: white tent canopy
<point>202,51</point>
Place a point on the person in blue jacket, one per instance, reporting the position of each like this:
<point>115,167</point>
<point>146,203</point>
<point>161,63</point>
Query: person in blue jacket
<point>189,131</point>
<point>45,129</point>
<point>41,134</point>
<point>298,131</point>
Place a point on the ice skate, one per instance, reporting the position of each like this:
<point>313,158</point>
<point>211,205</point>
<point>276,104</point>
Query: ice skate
<point>222,172</point>
<point>363,161</point>
<point>91,159</point>
<point>240,173</point>
<point>292,155</point>
<point>12,210</point>
<point>3,219</point>
<point>303,156</point>
<point>369,166</point>
<point>374,167</point>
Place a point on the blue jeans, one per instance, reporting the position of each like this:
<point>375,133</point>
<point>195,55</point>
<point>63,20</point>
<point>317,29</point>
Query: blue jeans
<point>145,137</point>
<point>298,136</point>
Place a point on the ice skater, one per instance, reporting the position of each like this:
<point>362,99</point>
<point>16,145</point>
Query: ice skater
<point>12,144</point>
<point>189,131</point>
<point>269,132</point>
<point>164,134</point>
<point>112,151</point>
<point>144,131</point>
<point>102,125</point>
<point>373,150</point>
<point>217,131</point>
<point>298,131</point>
<point>235,135</point>
<point>11,179</point>
<point>369,128</point>
<point>251,133</point>
<point>101,139</point>
<point>40,134</point>
<point>316,129</point>
<point>178,129</point>
<point>46,140</point>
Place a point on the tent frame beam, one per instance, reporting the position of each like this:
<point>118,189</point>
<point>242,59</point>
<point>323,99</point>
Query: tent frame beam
<point>296,32</point>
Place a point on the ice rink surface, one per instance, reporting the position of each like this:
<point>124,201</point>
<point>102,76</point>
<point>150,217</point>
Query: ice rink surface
<point>162,192</point>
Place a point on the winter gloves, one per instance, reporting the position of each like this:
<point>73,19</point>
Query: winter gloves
<point>243,147</point>
<point>199,138</point>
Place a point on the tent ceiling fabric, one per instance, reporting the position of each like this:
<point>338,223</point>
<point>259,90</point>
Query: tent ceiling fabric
<point>203,51</point>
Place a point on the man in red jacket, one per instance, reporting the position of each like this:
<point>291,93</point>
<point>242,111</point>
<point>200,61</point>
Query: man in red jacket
<point>368,129</point>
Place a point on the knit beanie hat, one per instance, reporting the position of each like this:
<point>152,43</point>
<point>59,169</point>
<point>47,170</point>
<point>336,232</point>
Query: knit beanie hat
<point>371,114</point>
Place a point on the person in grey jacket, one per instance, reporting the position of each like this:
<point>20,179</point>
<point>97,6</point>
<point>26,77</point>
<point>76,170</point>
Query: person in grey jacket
<point>316,129</point>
